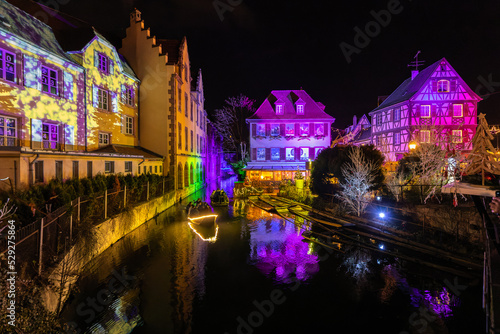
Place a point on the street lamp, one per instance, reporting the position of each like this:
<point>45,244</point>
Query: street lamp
<point>412,145</point>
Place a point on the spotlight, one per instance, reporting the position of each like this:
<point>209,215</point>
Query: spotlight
<point>381,215</point>
<point>381,246</point>
<point>379,198</point>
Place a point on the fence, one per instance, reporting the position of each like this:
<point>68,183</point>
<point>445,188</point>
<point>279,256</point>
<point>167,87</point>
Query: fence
<point>46,241</point>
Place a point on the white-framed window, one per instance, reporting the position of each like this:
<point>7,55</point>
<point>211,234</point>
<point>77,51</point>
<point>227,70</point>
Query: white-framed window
<point>128,95</point>
<point>304,129</point>
<point>261,153</point>
<point>425,111</point>
<point>397,138</point>
<point>7,65</point>
<point>458,110</point>
<point>396,116</point>
<point>289,130</point>
<point>275,153</point>
<point>319,129</point>
<point>49,81</point>
<point>128,166</point>
<point>50,136</point>
<point>456,136</point>
<point>304,153</point>
<point>378,119</point>
<point>129,125</point>
<point>261,130</point>
<point>300,109</point>
<point>102,99</point>
<point>275,130</point>
<point>317,151</point>
<point>109,167</point>
<point>279,109</point>
<point>425,136</point>
<point>8,131</point>
<point>104,139</point>
<point>103,63</point>
<point>290,153</point>
<point>443,86</point>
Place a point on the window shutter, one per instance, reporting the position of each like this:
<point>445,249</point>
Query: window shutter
<point>268,153</point>
<point>434,86</point>
<point>96,59</point>
<point>124,122</point>
<point>417,110</point>
<point>453,85</point>
<point>36,133</point>
<point>282,153</point>
<point>95,96</point>
<point>282,130</point>
<point>297,153</point>
<point>114,101</point>
<point>254,130</point>
<point>466,109</point>
<point>31,72</point>
<point>68,86</point>
<point>254,153</point>
<point>69,137</point>
<point>325,129</point>
<point>311,153</point>
<point>111,67</point>
<point>268,130</point>
<point>297,129</point>
<point>311,129</point>
<point>433,110</point>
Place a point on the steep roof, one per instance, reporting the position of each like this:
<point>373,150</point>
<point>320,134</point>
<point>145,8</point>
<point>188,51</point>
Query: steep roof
<point>409,87</point>
<point>363,134</point>
<point>18,22</point>
<point>311,108</point>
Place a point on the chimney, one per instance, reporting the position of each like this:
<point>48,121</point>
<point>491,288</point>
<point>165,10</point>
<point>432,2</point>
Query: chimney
<point>354,121</point>
<point>414,73</point>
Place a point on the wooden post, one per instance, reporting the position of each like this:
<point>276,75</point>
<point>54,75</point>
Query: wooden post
<point>78,217</point>
<point>125,196</point>
<point>106,204</point>
<point>147,194</point>
<point>71,227</point>
<point>40,253</point>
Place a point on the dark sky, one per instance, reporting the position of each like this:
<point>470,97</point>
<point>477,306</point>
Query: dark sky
<point>261,46</point>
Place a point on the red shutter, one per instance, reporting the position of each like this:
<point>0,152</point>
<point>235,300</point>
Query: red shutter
<point>282,153</point>
<point>466,109</point>
<point>268,130</point>
<point>311,129</point>
<point>254,153</point>
<point>417,111</point>
<point>254,130</point>
<point>268,153</point>
<point>282,130</point>
<point>453,85</point>
<point>297,153</point>
<point>297,129</point>
<point>311,153</point>
<point>434,85</point>
<point>433,110</point>
<point>325,129</point>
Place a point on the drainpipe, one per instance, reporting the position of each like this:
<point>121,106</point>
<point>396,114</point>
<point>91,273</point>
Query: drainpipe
<point>85,103</point>
<point>30,173</point>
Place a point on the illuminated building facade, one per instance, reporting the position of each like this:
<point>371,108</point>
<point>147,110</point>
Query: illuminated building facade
<point>288,129</point>
<point>359,133</point>
<point>432,106</point>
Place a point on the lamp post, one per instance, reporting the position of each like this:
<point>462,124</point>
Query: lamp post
<point>412,145</point>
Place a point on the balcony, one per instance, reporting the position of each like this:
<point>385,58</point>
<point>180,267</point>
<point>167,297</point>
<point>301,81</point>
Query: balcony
<point>9,141</point>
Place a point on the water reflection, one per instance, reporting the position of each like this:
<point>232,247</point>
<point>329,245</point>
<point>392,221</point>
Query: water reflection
<point>206,233</point>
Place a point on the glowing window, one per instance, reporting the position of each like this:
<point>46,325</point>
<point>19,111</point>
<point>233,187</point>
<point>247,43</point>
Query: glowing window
<point>425,136</point>
<point>290,153</point>
<point>443,86</point>
<point>50,136</point>
<point>304,153</point>
<point>279,109</point>
<point>456,136</point>
<point>425,111</point>
<point>458,110</point>
<point>8,131</point>
<point>275,129</point>
<point>275,153</point>
<point>261,153</point>
<point>128,95</point>
<point>300,109</point>
<point>319,129</point>
<point>49,81</point>
<point>102,99</point>
<point>109,167</point>
<point>397,138</point>
<point>317,151</point>
<point>261,130</point>
<point>304,129</point>
<point>7,66</point>
<point>103,63</point>
<point>129,125</point>
<point>103,139</point>
<point>396,114</point>
<point>290,130</point>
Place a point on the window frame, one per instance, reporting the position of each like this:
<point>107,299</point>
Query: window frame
<point>50,70</point>
<point>457,139</point>
<point>260,130</point>
<point>128,167</point>
<point>273,127</point>
<point>38,172</point>
<point>396,111</point>
<point>422,136</point>
<point>103,135</point>
<point>300,109</point>
<point>280,109</point>
<point>397,135</point>
<point>51,126</point>
<point>103,94</point>
<point>289,126</point>
<point>308,153</point>
<point>128,97</point>
<point>129,126</point>
<point>290,149</point>
<point>260,149</point>
<point>378,119</point>
<point>461,109</point>
<point>301,133</point>
<point>440,85</point>
<point>422,108</point>
<point>109,167</point>
<point>4,137</point>
<point>3,69</point>
<point>279,153</point>
<point>103,63</point>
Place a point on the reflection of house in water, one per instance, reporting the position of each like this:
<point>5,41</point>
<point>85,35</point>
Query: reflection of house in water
<point>277,249</point>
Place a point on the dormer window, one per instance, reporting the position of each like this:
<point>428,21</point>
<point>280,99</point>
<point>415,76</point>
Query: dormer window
<point>279,109</point>
<point>443,86</point>
<point>300,109</point>
<point>103,63</point>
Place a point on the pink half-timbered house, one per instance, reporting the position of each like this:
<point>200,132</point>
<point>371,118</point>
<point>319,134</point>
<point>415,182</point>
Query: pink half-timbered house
<point>288,129</point>
<point>432,106</point>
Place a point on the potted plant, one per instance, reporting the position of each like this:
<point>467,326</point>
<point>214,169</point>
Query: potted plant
<point>299,179</point>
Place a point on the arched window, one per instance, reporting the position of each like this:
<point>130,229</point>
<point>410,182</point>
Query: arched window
<point>191,175</point>
<point>186,175</point>
<point>179,176</point>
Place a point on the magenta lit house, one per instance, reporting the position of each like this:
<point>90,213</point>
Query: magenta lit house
<point>434,105</point>
<point>287,130</point>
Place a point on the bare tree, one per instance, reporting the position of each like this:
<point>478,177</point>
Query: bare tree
<point>230,122</point>
<point>6,211</point>
<point>395,182</point>
<point>359,176</point>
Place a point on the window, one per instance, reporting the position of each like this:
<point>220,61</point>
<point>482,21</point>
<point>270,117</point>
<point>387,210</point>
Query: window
<point>304,129</point>
<point>103,139</point>
<point>139,169</point>
<point>59,170</point>
<point>261,153</point>
<point>186,138</point>
<point>102,99</point>
<point>279,109</point>
<point>290,153</point>
<point>128,94</point>
<point>397,138</point>
<point>396,114</point>
<point>103,63</point>
<point>275,130</point>
<point>76,170</point>
<point>179,126</point>
<point>192,107</point>
<point>443,86</point>
<point>456,136</point>
<point>128,166</point>
<point>161,169</point>
<point>378,119</point>
<point>300,109</point>
<point>261,130</point>
<point>319,129</point>
<point>150,169</point>
<point>378,141</point>
<point>317,151</point>
<point>7,66</point>
<point>186,105</point>
<point>425,111</point>
<point>290,130</point>
<point>8,131</point>
<point>275,153</point>
<point>197,143</point>
<point>39,171</point>
<point>50,136</point>
<point>129,125</point>
<point>89,169</point>
<point>49,81</point>
<point>425,136</point>
<point>201,145</point>
<point>304,153</point>
<point>156,169</point>
<point>458,110</point>
<point>179,98</point>
<point>109,167</point>
<point>191,140</point>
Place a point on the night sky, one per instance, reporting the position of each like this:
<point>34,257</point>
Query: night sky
<point>261,46</point>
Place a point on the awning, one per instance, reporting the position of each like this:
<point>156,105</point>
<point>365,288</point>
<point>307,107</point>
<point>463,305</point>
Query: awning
<point>275,168</point>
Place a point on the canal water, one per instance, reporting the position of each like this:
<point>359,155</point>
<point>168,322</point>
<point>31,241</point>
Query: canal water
<point>255,273</point>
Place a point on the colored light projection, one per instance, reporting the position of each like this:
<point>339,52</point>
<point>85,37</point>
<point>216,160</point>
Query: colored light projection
<point>277,249</point>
